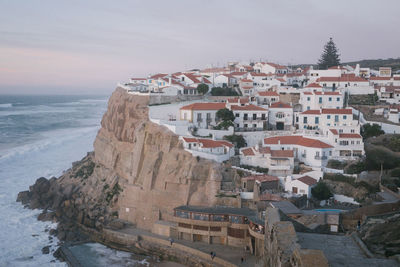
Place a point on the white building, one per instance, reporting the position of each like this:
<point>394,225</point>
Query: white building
<point>246,87</point>
<point>300,186</point>
<point>267,97</point>
<point>210,149</point>
<point>349,83</point>
<point>224,80</point>
<point>346,145</point>
<point>318,99</point>
<point>325,119</point>
<point>250,117</point>
<point>268,67</point>
<point>312,152</point>
<point>280,116</point>
<point>201,115</point>
<point>278,162</point>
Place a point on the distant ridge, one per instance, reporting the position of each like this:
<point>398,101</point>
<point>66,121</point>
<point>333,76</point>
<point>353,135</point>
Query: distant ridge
<point>368,63</point>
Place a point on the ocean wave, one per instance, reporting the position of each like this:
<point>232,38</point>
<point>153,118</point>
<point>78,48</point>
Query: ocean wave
<point>93,100</point>
<point>7,105</point>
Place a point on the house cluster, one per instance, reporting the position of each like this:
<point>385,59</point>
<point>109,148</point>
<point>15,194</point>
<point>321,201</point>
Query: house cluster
<point>289,118</point>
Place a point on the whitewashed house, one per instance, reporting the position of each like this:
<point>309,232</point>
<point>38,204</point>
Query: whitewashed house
<point>201,115</point>
<point>246,87</point>
<point>268,67</point>
<point>312,152</point>
<point>267,97</point>
<point>346,145</point>
<point>225,80</point>
<point>300,186</point>
<point>318,99</point>
<point>210,149</point>
<point>280,116</point>
<point>349,83</point>
<point>250,117</point>
<point>279,162</point>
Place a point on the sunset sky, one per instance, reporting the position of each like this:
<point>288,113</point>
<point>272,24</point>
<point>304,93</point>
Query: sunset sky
<point>76,47</point>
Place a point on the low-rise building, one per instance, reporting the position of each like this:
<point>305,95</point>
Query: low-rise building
<point>201,115</point>
<point>250,117</point>
<point>318,99</point>
<point>279,162</point>
<point>267,97</point>
<point>312,152</point>
<point>346,145</point>
<point>218,150</point>
<point>280,116</point>
<point>301,185</point>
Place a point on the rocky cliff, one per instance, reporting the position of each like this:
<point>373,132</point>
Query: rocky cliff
<point>138,172</point>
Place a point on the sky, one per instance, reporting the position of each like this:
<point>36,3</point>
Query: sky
<point>87,47</point>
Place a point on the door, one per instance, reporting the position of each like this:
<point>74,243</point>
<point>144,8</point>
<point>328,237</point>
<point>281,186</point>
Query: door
<point>280,126</point>
<point>294,190</point>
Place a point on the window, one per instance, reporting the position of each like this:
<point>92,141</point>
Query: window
<point>328,117</point>
<point>344,117</point>
<point>330,99</point>
<point>208,116</point>
<point>254,116</point>
<point>338,99</point>
<point>254,125</point>
<point>320,100</point>
<point>336,118</point>
<point>245,125</point>
<point>352,130</point>
<point>237,115</point>
<point>316,120</point>
<point>330,153</point>
<point>308,98</point>
<point>358,142</point>
<point>308,108</point>
<point>199,116</point>
<point>305,120</point>
<point>344,143</point>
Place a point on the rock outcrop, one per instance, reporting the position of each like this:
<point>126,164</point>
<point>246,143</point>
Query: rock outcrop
<point>138,173</point>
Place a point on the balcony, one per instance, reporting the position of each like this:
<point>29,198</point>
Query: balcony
<point>321,158</point>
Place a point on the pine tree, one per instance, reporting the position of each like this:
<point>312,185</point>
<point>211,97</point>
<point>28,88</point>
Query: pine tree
<point>330,56</point>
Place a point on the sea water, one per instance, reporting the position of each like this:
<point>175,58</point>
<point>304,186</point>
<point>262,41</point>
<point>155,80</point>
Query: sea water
<point>39,136</point>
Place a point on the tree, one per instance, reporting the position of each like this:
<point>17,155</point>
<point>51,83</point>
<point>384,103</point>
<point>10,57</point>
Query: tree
<point>368,130</point>
<point>330,56</point>
<point>218,91</point>
<point>237,140</point>
<point>202,88</point>
<point>225,115</point>
<point>321,191</point>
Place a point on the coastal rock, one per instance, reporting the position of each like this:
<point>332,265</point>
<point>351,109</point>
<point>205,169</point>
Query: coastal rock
<point>46,250</point>
<point>138,173</point>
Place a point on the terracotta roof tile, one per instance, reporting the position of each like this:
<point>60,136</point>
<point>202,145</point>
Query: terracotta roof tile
<point>282,153</point>
<point>337,111</point>
<point>268,93</point>
<point>296,140</point>
<point>349,135</point>
<point>307,180</point>
<point>280,105</point>
<point>311,112</point>
<point>248,151</point>
<point>204,106</point>
<point>248,107</point>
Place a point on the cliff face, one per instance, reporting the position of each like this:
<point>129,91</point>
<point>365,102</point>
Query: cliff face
<point>154,171</point>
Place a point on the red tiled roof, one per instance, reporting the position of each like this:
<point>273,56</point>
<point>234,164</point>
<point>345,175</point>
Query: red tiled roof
<point>280,105</point>
<point>159,75</point>
<point>205,80</point>
<point>312,112</point>
<point>247,87</point>
<point>281,80</point>
<point>313,85</point>
<point>190,140</point>
<point>138,79</point>
<point>349,135</point>
<point>282,153</point>
<point>276,66</point>
<point>307,93</point>
<point>334,131</point>
<point>296,140</point>
<point>204,106</point>
<point>264,150</point>
<point>343,78</point>
<point>307,180</point>
<point>208,143</point>
<point>248,151</point>
<point>248,107</point>
<point>246,80</point>
<point>259,74</point>
<point>238,73</point>
<point>268,93</point>
<point>337,111</point>
<point>380,78</point>
<point>192,77</point>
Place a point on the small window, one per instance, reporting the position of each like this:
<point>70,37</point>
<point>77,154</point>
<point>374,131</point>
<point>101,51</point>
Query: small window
<point>328,117</point>
<point>344,117</point>
<point>330,99</point>
<point>316,120</point>
<point>305,120</point>
<point>338,99</point>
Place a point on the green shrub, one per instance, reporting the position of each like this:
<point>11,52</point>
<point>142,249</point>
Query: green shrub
<point>336,164</point>
<point>350,180</point>
<point>321,191</point>
<point>237,140</point>
<point>257,169</point>
<point>219,91</point>
<point>357,167</point>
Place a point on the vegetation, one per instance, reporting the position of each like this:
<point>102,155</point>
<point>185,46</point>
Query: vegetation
<point>368,130</point>
<point>370,99</point>
<point>321,191</point>
<point>237,140</point>
<point>226,116</point>
<point>394,63</point>
<point>224,125</point>
<point>257,169</point>
<point>115,191</point>
<point>394,143</point>
<point>330,56</point>
<point>352,181</point>
<point>380,157</point>
<point>202,88</point>
<point>219,91</point>
<point>336,164</point>
<point>356,168</point>
<point>85,171</point>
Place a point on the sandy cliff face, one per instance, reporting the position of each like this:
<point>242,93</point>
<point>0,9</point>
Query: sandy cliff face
<point>156,174</point>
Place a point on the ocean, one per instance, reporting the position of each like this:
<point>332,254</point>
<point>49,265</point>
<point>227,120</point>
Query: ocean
<point>39,136</point>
